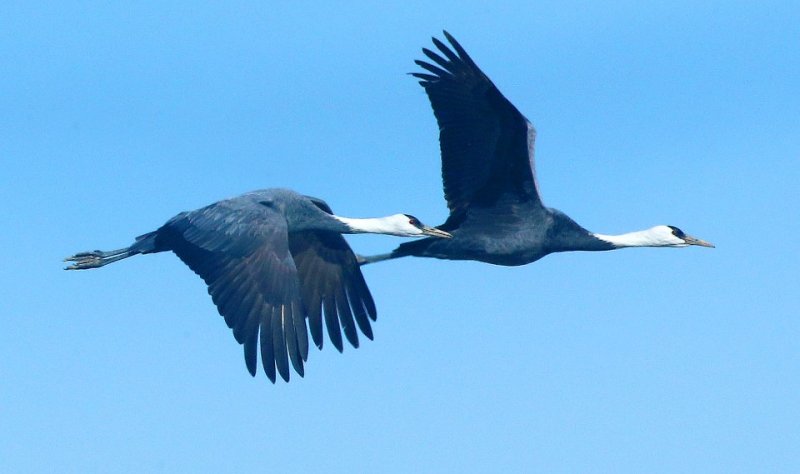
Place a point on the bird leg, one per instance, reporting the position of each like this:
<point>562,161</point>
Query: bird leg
<point>95,259</point>
<point>367,259</point>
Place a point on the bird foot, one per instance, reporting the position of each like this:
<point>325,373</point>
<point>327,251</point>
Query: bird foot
<point>85,260</point>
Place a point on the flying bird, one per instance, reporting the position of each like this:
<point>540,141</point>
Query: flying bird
<point>272,259</point>
<point>487,147</point>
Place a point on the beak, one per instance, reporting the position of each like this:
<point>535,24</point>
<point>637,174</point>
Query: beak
<point>693,241</point>
<point>434,232</point>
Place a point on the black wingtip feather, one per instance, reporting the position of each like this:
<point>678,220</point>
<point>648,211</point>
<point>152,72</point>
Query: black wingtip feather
<point>300,329</point>
<point>360,313</point>
<point>462,53</point>
<point>250,357</point>
<point>446,51</point>
<point>435,58</point>
<point>366,297</point>
<point>426,78</point>
<point>291,337</point>
<point>332,324</point>
<point>315,320</point>
<point>346,319</point>
<point>267,352</point>
<point>433,69</point>
<point>452,40</point>
<point>279,345</point>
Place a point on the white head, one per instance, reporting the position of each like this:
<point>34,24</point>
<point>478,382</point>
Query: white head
<point>405,225</point>
<point>671,236</point>
<point>658,236</point>
<point>401,225</point>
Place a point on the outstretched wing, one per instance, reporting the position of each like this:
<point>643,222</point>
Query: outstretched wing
<point>241,250</point>
<point>331,280</point>
<point>487,145</point>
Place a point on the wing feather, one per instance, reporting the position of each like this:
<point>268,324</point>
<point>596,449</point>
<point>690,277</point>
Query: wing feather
<point>486,143</point>
<point>279,343</point>
<point>267,350</point>
<point>346,318</point>
<point>266,280</point>
<point>360,313</point>
<point>241,251</point>
<point>331,280</point>
<point>332,323</point>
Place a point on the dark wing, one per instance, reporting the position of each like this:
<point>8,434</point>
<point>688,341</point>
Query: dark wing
<point>486,143</point>
<point>241,250</point>
<point>331,280</point>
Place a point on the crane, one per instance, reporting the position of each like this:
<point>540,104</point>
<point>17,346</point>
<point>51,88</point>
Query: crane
<point>272,259</point>
<point>487,148</point>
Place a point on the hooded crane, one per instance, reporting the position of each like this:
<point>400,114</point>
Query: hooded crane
<point>496,212</point>
<point>271,259</point>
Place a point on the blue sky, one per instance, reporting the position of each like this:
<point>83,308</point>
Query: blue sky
<point>115,118</point>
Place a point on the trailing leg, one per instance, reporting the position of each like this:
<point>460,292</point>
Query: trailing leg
<point>98,258</point>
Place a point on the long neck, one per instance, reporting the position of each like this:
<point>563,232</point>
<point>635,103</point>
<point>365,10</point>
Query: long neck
<point>373,225</point>
<point>640,238</point>
<point>566,235</point>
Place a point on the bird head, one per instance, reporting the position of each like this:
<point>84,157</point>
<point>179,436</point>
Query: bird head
<point>406,225</point>
<point>671,236</point>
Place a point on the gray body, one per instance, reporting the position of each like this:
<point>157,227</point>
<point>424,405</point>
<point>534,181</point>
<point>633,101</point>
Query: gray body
<point>518,238</point>
<point>272,259</point>
<point>487,149</point>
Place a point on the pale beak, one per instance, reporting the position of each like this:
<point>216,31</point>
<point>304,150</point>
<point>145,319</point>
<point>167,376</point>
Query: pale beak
<point>693,241</point>
<point>434,232</point>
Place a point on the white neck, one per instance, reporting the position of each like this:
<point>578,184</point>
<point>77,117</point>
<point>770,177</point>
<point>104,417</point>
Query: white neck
<point>390,225</point>
<point>659,236</point>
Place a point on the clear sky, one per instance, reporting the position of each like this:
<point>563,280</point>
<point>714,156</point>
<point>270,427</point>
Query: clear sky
<point>113,118</point>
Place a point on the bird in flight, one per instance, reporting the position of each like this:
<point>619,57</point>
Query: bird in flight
<point>487,147</point>
<point>273,259</point>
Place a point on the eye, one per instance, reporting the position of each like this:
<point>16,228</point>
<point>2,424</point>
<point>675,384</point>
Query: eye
<point>414,221</point>
<point>677,232</point>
